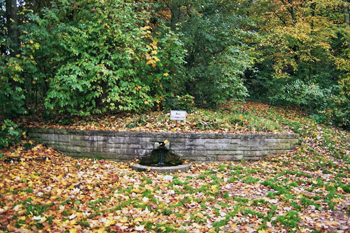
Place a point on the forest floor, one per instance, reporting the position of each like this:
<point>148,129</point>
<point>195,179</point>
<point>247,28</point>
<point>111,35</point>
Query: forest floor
<point>304,190</point>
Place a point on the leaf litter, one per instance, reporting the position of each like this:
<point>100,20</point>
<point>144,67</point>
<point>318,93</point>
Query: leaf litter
<point>304,190</point>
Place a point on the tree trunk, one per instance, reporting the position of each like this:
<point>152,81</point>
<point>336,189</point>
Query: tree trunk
<point>346,16</point>
<point>12,26</point>
<point>174,7</point>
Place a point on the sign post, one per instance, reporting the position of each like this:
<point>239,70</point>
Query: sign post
<point>178,115</point>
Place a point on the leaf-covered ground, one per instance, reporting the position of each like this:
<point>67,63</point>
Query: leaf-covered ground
<point>305,190</point>
<point>229,118</point>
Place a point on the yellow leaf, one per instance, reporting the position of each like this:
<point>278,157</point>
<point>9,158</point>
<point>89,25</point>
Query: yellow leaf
<point>109,223</point>
<point>151,62</point>
<point>138,219</point>
<point>73,231</point>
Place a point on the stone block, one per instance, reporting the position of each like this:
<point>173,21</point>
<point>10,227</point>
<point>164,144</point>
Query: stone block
<point>50,137</point>
<point>129,146</point>
<point>235,141</point>
<point>213,146</point>
<point>226,158</point>
<point>253,158</point>
<point>229,147</point>
<point>146,146</point>
<point>191,152</point>
<point>256,143</point>
<point>82,143</point>
<point>239,157</point>
<point>242,148</point>
<point>196,159</point>
<point>89,138</point>
<point>195,142</point>
<point>124,140</point>
<point>192,147</point>
<point>75,137</point>
<point>132,152</point>
<point>177,146</point>
<point>254,153</point>
<point>211,157</point>
<point>119,157</point>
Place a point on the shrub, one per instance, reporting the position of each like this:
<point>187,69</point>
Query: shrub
<point>10,134</point>
<point>85,57</point>
<point>299,93</point>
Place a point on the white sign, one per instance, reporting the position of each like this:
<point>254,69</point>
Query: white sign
<point>178,115</point>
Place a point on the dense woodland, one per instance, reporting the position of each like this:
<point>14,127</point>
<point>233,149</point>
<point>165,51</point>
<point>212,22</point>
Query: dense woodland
<point>94,56</point>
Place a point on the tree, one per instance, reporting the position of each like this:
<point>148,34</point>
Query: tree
<point>12,26</point>
<point>304,44</point>
<point>88,56</point>
<point>215,39</point>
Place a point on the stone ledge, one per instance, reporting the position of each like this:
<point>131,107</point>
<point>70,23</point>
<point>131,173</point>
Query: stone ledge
<point>127,145</point>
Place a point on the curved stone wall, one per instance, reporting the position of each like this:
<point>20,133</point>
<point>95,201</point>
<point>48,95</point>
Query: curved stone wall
<point>127,145</point>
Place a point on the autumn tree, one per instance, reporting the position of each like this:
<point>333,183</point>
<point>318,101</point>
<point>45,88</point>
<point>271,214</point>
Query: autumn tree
<point>304,47</point>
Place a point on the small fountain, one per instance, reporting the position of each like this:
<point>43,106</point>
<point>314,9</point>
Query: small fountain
<point>161,159</point>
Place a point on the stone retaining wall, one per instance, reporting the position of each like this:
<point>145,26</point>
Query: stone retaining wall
<point>127,145</point>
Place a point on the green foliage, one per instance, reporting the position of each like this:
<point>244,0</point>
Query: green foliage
<point>308,43</point>
<point>86,57</point>
<point>11,93</point>
<point>185,102</point>
<point>112,60</point>
<point>301,94</point>
<point>217,54</point>
<point>325,104</point>
<point>10,134</point>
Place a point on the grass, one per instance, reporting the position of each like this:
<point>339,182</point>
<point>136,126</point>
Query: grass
<point>304,190</point>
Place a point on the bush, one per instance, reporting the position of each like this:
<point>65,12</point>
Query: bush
<point>10,134</point>
<point>299,93</point>
<point>185,102</point>
<point>85,57</point>
<point>12,96</point>
<point>324,104</point>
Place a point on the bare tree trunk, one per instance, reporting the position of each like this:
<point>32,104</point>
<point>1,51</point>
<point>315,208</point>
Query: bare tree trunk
<point>12,26</point>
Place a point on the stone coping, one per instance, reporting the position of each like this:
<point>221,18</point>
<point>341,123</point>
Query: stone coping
<point>166,169</point>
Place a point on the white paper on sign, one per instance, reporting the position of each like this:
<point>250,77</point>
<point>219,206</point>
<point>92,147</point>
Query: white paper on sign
<point>178,115</point>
